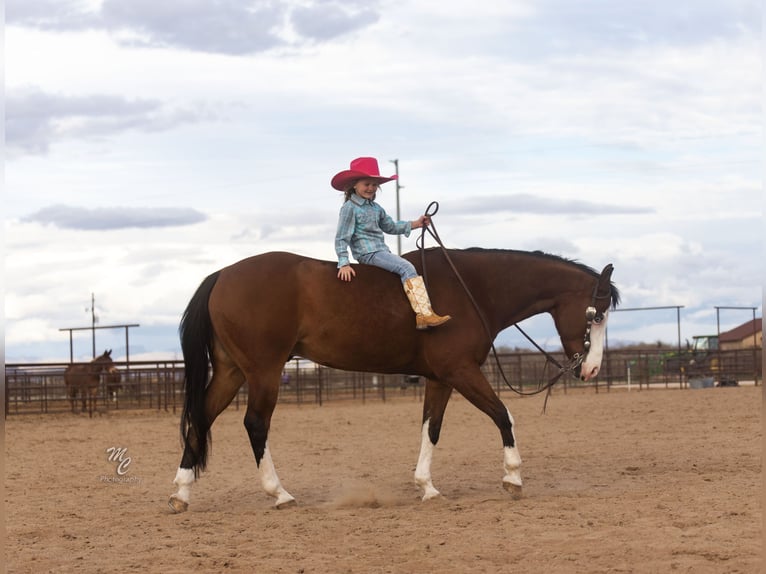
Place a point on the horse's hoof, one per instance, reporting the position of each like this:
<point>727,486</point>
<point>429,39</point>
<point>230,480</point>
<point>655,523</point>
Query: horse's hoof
<point>288,503</point>
<point>513,489</point>
<point>177,505</point>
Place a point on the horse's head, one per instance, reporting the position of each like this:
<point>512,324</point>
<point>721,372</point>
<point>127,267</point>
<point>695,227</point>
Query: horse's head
<point>581,322</point>
<point>104,361</point>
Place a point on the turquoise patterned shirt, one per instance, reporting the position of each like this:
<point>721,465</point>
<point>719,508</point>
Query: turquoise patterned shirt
<point>361,225</point>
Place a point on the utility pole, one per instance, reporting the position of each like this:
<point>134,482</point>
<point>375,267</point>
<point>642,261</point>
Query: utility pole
<point>93,321</point>
<point>398,216</point>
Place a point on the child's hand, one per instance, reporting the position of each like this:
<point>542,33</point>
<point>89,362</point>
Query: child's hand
<point>346,272</point>
<point>422,221</point>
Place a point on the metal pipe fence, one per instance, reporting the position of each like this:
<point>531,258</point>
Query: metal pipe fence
<point>158,385</point>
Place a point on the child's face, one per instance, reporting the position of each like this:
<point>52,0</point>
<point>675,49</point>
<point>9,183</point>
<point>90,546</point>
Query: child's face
<point>366,188</point>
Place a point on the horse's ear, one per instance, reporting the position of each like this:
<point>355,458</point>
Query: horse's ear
<point>604,281</point>
<point>108,353</point>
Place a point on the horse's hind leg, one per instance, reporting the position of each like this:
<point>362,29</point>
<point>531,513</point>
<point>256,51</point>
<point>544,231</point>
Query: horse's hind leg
<point>434,404</point>
<point>262,398</point>
<point>226,380</point>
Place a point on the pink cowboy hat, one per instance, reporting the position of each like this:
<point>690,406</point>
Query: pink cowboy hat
<point>361,168</point>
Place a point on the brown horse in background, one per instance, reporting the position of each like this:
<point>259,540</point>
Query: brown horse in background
<point>84,378</point>
<point>248,319</point>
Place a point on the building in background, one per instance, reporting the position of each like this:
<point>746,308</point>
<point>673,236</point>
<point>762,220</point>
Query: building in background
<point>746,336</point>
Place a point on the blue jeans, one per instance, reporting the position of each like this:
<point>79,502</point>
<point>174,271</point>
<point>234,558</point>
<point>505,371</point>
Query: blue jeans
<point>390,262</point>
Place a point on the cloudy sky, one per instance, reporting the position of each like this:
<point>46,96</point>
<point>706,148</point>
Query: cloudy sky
<point>151,143</point>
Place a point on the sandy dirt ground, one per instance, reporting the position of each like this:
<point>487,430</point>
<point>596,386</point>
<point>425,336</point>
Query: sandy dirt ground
<point>648,482</point>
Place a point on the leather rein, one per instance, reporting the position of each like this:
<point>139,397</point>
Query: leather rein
<point>590,314</point>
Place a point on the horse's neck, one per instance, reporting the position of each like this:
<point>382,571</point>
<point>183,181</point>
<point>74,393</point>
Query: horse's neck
<point>530,287</point>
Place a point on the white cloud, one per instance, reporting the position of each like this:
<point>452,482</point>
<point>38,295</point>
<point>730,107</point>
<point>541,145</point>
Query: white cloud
<point>105,218</point>
<point>35,119</point>
<point>226,26</point>
<point>30,330</point>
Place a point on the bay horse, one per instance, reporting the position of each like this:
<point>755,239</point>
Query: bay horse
<point>85,378</point>
<point>250,318</point>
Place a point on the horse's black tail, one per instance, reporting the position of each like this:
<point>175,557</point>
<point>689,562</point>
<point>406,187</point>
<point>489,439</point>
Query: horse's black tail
<point>196,331</point>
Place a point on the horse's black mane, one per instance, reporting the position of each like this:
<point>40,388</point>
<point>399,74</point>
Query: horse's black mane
<point>538,255</point>
<point>542,255</point>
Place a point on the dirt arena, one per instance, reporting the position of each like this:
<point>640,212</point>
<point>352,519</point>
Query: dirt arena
<point>650,481</point>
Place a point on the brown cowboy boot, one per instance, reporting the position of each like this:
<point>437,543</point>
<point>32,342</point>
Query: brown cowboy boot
<point>421,304</point>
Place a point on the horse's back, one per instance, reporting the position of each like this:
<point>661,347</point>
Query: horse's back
<point>263,281</point>
<point>298,305</point>
<point>298,281</point>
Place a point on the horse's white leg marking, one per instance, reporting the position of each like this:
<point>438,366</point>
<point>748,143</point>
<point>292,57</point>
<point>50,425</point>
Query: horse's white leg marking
<point>512,464</point>
<point>270,480</point>
<point>592,362</point>
<point>179,501</point>
<point>423,469</point>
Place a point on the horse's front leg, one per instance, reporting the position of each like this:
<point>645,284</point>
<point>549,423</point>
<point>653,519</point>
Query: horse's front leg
<point>511,459</point>
<point>472,384</point>
<point>434,404</point>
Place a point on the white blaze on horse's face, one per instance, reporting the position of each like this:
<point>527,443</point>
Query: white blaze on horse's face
<point>592,362</point>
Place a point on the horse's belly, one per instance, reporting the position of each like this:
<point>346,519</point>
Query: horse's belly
<point>359,345</point>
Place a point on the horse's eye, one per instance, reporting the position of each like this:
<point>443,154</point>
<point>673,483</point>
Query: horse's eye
<point>598,318</point>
